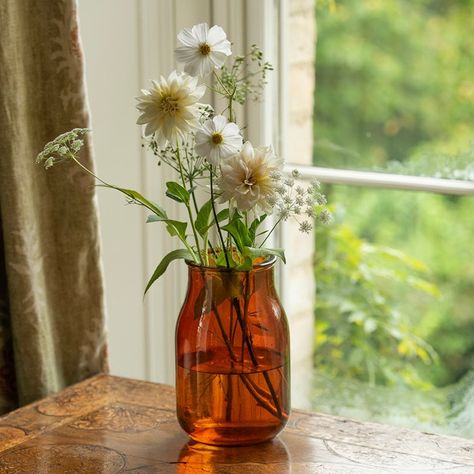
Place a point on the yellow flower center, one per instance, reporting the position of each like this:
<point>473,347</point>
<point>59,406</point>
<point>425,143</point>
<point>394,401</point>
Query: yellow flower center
<point>217,138</point>
<point>169,105</point>
<point>250,181</point>
<point>204,49</point>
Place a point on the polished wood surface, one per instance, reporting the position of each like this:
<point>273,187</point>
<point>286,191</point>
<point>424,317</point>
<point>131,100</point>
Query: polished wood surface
<point>112,425</point>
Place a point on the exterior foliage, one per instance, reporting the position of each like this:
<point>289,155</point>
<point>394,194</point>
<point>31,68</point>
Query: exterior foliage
<point>360,330</point>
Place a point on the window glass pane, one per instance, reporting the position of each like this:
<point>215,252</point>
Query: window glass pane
<point>395,86</point>
<point>395,309</point>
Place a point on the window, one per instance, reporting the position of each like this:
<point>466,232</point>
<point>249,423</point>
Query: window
<point>392,143</point>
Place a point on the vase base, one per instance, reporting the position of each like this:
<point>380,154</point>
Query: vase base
<point>235,435</point>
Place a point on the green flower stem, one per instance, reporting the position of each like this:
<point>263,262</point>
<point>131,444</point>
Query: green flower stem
<point>211,247</point>
<point>229,94</point>
<point>193,196</point>
<point>213,89</point>
<point>111,186</point>
<point>270,232</point>
<point>205,251</point>
<point>205,240</point>
<point>219,231</point>
<point>231,106</point>
<point>188,207</point>
<point>231,112</point>
<point>88,171</point>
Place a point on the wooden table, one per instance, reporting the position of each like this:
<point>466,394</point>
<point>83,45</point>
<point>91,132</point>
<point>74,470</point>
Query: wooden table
<point>109,425</point>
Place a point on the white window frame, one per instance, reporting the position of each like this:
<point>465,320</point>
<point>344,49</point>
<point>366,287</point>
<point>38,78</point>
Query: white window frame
<point>385,180</point>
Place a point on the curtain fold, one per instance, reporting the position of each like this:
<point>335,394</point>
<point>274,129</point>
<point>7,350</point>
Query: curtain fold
<point>52,331</point>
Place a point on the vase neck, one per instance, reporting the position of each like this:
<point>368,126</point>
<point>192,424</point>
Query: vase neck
<point>236,283</point>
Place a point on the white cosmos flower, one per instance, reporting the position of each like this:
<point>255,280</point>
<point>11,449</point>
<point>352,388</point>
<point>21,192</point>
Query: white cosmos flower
<point>218,139</point>
<point>203,49</point>
<point>247,178</point>
<point>170,107</point>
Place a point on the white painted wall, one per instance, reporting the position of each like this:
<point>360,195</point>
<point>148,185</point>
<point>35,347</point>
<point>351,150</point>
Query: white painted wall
<point>109,30</point>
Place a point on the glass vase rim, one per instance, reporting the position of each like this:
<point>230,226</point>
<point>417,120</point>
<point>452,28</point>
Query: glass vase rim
<point>267,264</point>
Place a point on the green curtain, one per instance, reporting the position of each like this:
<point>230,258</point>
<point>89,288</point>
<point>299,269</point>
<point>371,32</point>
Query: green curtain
<point>52,331</point>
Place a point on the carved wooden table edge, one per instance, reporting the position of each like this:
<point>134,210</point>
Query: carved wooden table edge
<point>110,424</point>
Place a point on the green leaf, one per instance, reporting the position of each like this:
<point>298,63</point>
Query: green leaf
<point>176,192</point>
<point>163,265</point>
<point>255,225</point>
<point>140,199</point>
<point>263,252</point>
<point>247,264</point>
<point>174,228</point>
<point>155,218</point>
<point>177,228</point>
<point>239,232</point>
<point>232,229</point>
<point>244,232</point>
<point>222,215</point>
<point>202,218</point>
<point>222,261</point>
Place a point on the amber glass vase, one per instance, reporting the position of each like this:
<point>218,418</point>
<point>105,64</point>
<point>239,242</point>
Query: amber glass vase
<point>232,355</point>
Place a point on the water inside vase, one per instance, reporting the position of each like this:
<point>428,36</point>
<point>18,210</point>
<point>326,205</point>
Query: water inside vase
<point>222,404</point>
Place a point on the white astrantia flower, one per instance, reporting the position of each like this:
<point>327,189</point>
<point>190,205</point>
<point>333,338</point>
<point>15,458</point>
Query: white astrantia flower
<point>203,49</point>
<point>218,139</point>
<point>305,227</point>
<point>246,178</point>
<point>170,108</point>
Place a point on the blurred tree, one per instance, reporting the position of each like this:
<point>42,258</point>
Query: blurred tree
<point>395,81</point>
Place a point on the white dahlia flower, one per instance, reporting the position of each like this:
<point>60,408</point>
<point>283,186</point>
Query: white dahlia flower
<point>170,107</point>
<point>203,49</point>
<point>248,178</point>
<point>218,139</point>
